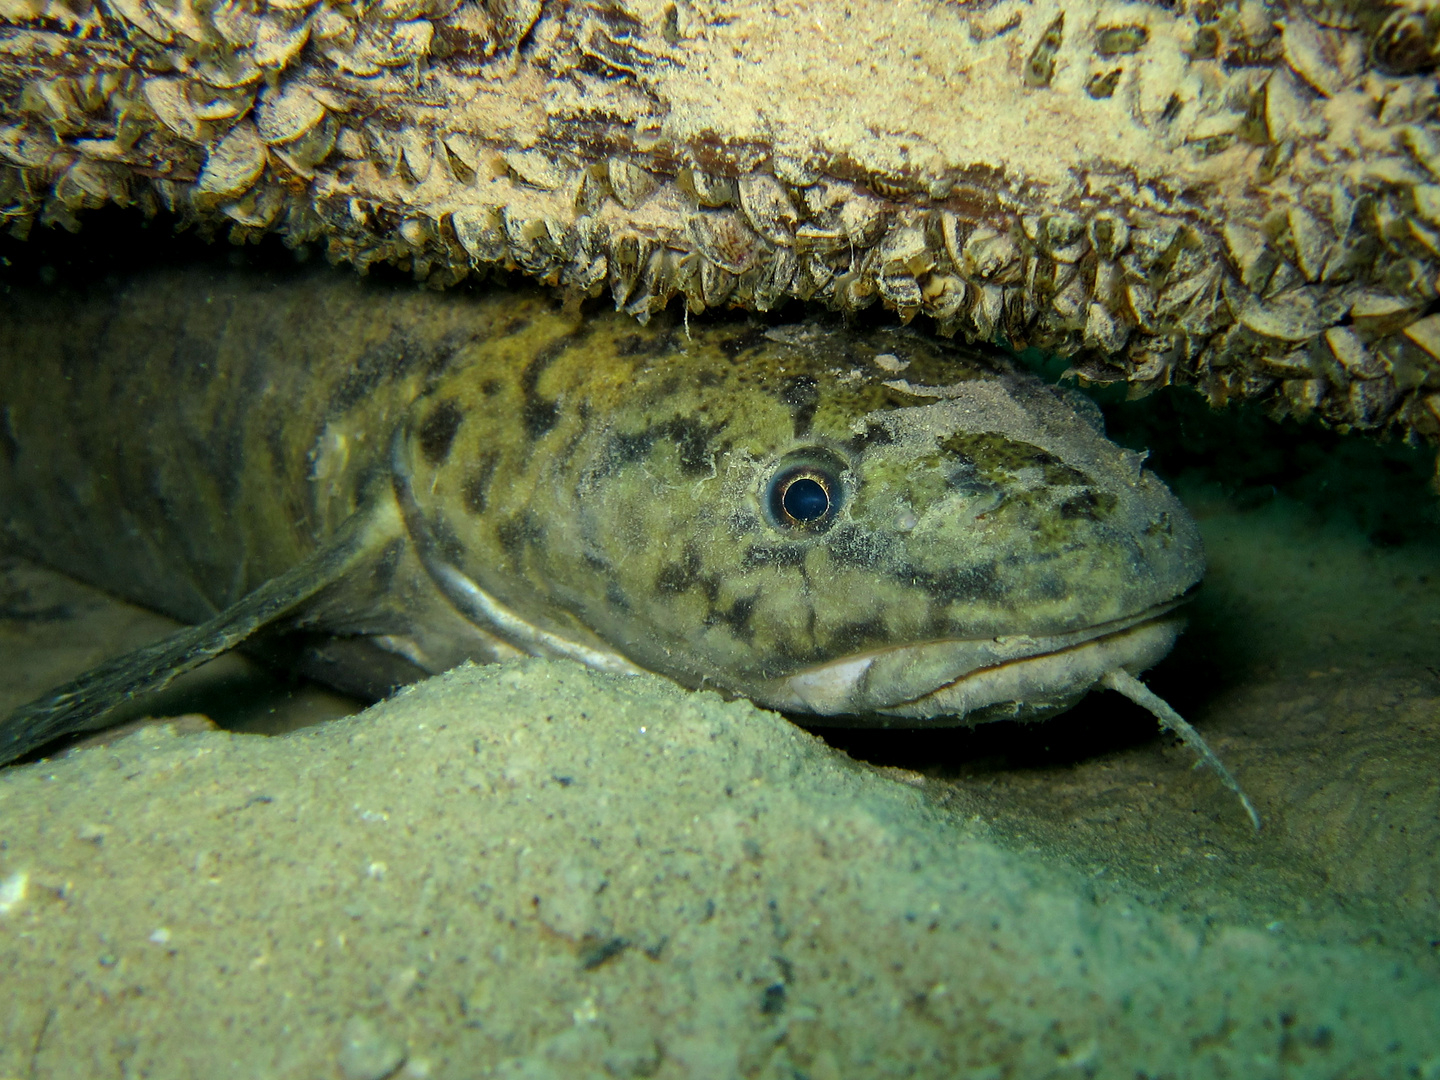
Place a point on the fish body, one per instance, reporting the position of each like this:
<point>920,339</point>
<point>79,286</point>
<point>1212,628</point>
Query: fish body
<point>862,524</point>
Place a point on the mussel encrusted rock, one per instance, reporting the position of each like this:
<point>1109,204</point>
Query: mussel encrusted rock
<point>1239,194</point>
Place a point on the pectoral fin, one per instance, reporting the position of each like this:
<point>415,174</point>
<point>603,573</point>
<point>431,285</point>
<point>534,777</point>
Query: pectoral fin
<point>82,703</point>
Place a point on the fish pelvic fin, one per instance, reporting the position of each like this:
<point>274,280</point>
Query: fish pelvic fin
<point>82,703</point>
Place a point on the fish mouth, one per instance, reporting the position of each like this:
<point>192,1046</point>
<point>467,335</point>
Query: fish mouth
<point>960,682</point>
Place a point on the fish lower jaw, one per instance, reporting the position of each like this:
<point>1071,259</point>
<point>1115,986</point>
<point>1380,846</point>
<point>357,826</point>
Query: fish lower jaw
<point>872,690</point>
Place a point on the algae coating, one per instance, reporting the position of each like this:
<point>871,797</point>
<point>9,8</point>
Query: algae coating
<point>1238,194</point>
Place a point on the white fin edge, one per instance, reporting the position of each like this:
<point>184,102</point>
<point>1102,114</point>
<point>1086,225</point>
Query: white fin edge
<point>483,609</point>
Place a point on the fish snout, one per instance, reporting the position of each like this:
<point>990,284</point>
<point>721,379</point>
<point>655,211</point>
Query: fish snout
<point>964,682</point>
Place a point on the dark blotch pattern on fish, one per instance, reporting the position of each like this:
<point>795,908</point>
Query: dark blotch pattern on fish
<point>537,413</point>
<point>736,617</point>
<point>802,394</point>
<point>516,532</point>
<point>476,491</point>
<point>630,345</point>
<point>690,436</point>
<point>615,597</point>
<point>437,432</point>
<point>446,540</point>
<point>774,555</point>
<point>956,585</point>
<point>389,360</point>
<point>993,453</point>
<point>1087,506</point>
<point>850,546</point>
<point>678,577</point>
<point>1061,475</point>
<point>440,356</point>
<point>873,435</point>
<point>751,337</point>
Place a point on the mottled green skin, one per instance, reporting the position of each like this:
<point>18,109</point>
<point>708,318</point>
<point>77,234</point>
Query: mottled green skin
<point>187,438</point>
<point>617,488</point>
<point>181,438</point>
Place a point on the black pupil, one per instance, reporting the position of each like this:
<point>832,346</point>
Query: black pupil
<point>805,500</point>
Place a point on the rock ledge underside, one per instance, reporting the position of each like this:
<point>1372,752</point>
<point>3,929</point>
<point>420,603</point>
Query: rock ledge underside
<point>1240,195</point>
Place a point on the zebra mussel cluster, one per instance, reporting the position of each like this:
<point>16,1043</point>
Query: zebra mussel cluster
<point>1250,203</point>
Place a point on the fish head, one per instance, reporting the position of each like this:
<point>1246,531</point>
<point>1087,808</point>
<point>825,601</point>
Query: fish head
<point>860,524</point>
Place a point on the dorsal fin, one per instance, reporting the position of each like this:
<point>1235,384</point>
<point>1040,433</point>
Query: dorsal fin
<point>80,704</point>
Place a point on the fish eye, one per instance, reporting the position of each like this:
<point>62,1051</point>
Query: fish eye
<point>805,499</point>
<point>804,495</point>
